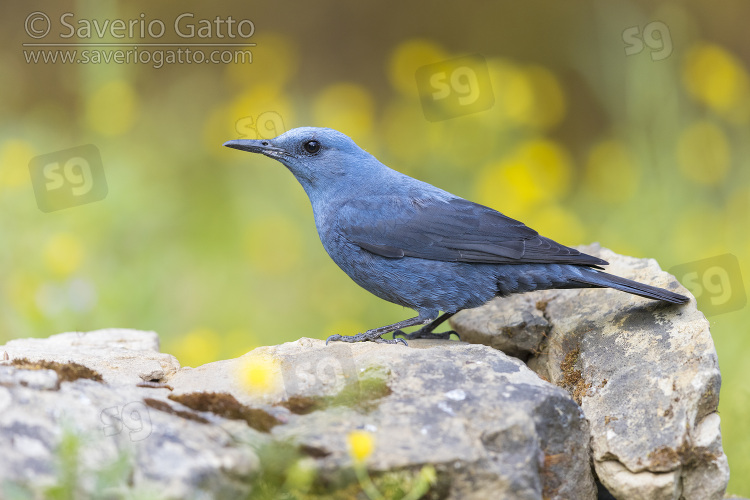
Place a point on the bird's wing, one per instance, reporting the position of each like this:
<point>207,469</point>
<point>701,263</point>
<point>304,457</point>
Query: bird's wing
<point>454,230</point>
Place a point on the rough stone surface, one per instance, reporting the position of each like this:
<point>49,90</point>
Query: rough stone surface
<point>155,450</point>
<point>645,373</point>
<point>516,327</point>
<point>144,449</point>
<point>488,424</point>
<point>121,356</point>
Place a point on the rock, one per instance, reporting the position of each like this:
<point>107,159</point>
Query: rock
<point>121,356</point>
<point>95,431</point>
<point>517,328</point>
<point>643,485</point>
<point>645,373</point>
<point>490,426</point>
<point>708,467</point>
<point>486,422</point>
<point>34,379</point>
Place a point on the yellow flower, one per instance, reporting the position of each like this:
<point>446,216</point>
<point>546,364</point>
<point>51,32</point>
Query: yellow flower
<point>361,444</point>
<point>259,373</point>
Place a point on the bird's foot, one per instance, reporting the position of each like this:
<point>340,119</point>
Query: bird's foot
<point>426,335</point>
<point>363,337</point>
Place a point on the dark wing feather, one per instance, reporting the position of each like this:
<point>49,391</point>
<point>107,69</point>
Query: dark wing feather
<point>456,230</point>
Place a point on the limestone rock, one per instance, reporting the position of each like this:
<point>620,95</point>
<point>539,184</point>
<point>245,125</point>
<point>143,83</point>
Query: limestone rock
<point>121,356</point>
<point>483,419</point>
<point>645,373</point>
<point>517,328</point>
<point>107,430</point>
<point>486,422</point>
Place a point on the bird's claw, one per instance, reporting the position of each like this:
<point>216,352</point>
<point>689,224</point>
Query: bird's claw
<point>393,341</point>
<point>333,337</point>
<point>419,334</point>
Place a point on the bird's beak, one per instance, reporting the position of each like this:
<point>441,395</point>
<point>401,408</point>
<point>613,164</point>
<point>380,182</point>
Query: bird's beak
<point>257,146</point>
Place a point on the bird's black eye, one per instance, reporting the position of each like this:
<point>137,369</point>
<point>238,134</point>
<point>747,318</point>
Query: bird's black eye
<point>311,147</point>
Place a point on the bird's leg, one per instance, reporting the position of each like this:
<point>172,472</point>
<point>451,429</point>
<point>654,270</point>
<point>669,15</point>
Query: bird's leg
<point>426,331</point>
<point>375,333</point>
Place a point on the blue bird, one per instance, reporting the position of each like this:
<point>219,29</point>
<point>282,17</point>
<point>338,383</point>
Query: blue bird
<point>418,246</point>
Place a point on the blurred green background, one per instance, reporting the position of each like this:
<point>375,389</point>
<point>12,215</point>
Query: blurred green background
<point>620,122</point>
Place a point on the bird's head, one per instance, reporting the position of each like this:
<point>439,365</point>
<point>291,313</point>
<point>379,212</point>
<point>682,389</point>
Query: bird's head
<point>320,158</point>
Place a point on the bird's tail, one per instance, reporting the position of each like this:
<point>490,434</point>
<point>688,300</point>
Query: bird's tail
<point>595,278</point>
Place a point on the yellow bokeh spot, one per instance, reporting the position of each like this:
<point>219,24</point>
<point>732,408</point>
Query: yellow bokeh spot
<point>111,110</point>
<point>558,224</point>
<point>63,254</point>
<point>274,66</point>
<point>265,110</point>
<point>346,107</point>
<point>611,174</point>
<point>719,80</point>
<point>198,347</point>
<point>259,373</point>
<point>261,112</point>
<point>273,244</point>
<point>407,58</point>
<point>507,187</point>
<point>361,445</point>
<point>550,164</point>
<point>538,172</point>
<point>516,95</point>
<point>15,155</point>
<point>703,153</point>
<point>533,97</point>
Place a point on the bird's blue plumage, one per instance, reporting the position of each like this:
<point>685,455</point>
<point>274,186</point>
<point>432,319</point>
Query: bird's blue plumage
<point>416,245</point>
